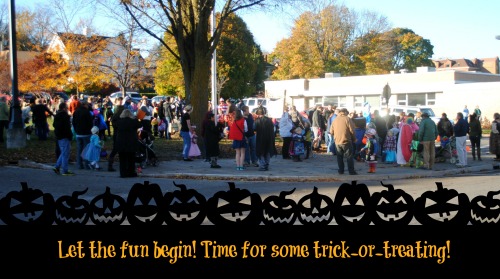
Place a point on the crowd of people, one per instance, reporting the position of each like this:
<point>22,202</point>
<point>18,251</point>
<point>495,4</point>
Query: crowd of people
<point>89,122</point>
<point>405,140</point>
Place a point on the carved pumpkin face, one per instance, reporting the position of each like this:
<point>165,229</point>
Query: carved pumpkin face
<point>485,210</point>
<point>108,209</point>
<point>315,209</point>
<point>391,207</point>
<point>70,210</point>
<point>184,207</point>
<point>145,204</point>
<point>278,210</point>
<point>28,206</point>
<point>234,207</point>
<point>351,204</point>
<point>443,206</point>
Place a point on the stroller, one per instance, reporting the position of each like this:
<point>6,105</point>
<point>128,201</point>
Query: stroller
<point>447,150</point>
<point>145,155</point>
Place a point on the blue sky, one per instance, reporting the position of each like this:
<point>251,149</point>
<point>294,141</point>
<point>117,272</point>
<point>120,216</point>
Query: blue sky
<point>456,28</point>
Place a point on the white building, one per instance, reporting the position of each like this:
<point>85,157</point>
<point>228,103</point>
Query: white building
<point>445,91</point>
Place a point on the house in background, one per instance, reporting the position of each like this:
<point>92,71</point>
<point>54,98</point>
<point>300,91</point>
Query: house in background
<point>483,65</point>
<point>116,59</point>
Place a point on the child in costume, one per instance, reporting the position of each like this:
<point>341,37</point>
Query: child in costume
<point>297,146</point>
<point>93,150</point>
<point>194,150</point>
<point>370,149</point>
<point>390,147</point>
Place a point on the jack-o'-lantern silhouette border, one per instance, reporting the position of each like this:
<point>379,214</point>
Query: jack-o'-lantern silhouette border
<point>352,205</point>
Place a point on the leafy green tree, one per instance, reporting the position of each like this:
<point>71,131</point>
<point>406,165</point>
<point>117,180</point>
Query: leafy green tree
<point>168,75</point>
<point>409,49</point>
<point>239,59</point>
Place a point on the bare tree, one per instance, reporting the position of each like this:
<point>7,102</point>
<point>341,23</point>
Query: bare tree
<point>128,67</point>
<point>67,14</point>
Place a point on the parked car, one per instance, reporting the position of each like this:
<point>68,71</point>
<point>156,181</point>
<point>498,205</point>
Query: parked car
<point>396,110</point>
<point>62,95</point>
<point>253,103</point>
<point>135,96</point>
<point>158,98</point>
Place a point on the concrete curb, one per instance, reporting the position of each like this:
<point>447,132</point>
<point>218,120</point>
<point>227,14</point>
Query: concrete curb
<point>323,178</point>
<point>290,178</point>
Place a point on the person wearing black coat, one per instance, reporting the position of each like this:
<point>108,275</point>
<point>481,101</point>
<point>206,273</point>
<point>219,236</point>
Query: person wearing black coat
<point>264,130</point>
<point>126,142</point>
<point>64,135</point>
<point>211,134</point>
<point>83,121</point>
<point>117,111</point>
<point>39,115</point>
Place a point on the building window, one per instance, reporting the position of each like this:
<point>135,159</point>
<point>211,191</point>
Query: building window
<point>373,100</point>
<point>331,101</point>
<point>342,101</point>
<point>431,99</point>
<point>416,99</point>
<point>401,99</point>
<point>358,101</point>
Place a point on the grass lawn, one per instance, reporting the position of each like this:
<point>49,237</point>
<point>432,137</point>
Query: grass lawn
<point>45,151</point>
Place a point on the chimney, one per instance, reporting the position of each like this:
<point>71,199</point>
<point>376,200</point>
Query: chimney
<point>86,31</point>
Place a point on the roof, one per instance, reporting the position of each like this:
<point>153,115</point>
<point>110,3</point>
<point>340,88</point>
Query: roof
<point>485,65</point>
<point>90,42</point>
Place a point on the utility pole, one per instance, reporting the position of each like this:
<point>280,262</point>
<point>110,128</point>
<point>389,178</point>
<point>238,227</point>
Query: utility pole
<point>16,137</point>
<point>215,101</point>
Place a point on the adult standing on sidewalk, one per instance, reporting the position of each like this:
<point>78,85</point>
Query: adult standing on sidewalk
<point>126,142</point>
<point>330,147</point>
<point>117,111</point>
<point>461,129</point>
<point>475,134</point>
<point>264,130</point>
<point>186,132</point>
<point>495,136</point>
<point>250,152</point>
<point>342,130</point>
<point>286,126</point>
<point>83,121</point>
<point>427,135</point>
<point>64,135</point>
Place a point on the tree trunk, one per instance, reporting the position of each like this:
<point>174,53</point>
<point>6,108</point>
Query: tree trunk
<point>197,92</point>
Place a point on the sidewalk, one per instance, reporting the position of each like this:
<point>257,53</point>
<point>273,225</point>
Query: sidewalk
<point>321,168</point>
